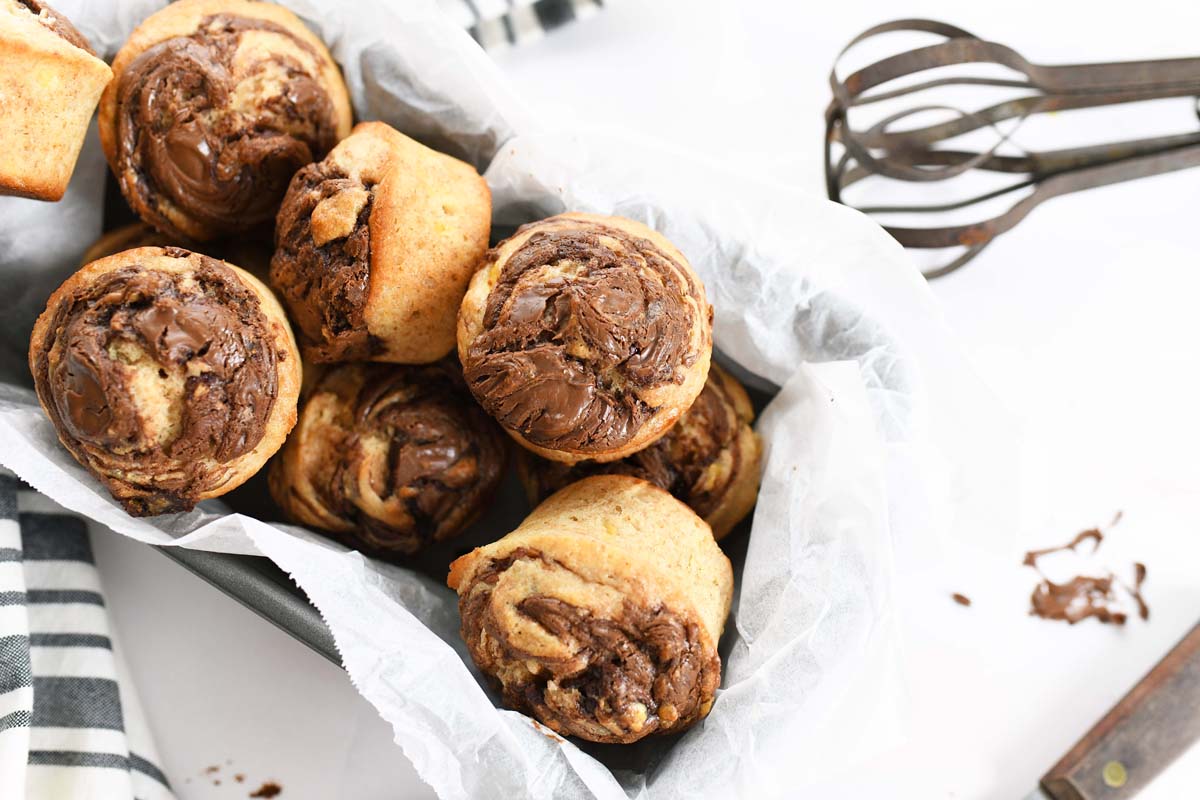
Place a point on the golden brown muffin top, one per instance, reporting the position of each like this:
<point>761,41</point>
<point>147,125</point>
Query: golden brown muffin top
<point>158,368</point>
<point>211,124</point>
<point>582,316</point>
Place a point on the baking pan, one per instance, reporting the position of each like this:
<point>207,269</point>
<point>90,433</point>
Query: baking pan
<point>262,587</point>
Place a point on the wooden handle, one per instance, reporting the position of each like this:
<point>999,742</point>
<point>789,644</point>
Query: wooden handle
<point>1146,731</point>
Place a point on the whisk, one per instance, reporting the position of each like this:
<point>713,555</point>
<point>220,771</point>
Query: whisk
<point>924,154</point>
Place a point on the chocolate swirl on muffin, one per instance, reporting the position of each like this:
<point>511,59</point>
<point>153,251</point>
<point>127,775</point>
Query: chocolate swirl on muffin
<point>170,375</point>
<point>322,261</point>
<point>389,458</point>
<point>375,246</point>
<point>709,459</point>
<point>214,108</point>
<point>585,336</point>
<point>600,614</point>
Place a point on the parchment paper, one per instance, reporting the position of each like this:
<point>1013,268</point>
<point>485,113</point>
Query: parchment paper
<point>873,417</point>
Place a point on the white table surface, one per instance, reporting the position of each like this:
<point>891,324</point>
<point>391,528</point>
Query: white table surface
<point>1083,321</point>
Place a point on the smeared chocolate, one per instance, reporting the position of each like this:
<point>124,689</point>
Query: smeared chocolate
<point>1083,596</point>
<point>406,456</point>
<point>1092,534</point>
<point>646,671</point>
<point>1135,591</point>
<point>188,144</point>
<point>325,287</point>
<point>581,317</point>
<point>58,24</point>
<point>961,599</point>
<point>1079,598</point>
<point>204,332</point>
<point>679,462</point>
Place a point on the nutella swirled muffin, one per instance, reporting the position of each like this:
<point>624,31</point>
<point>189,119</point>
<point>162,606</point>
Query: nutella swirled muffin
<point>50,82</point>
<point>389,458</point>
<point>171,376</point>
<point>214,106</point>
<point>601,613</point>
<point>375,246</point>
<point>709,459</point>
<point>585,336</point>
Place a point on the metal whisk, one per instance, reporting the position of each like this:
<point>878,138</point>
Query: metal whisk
<point>925,154</point>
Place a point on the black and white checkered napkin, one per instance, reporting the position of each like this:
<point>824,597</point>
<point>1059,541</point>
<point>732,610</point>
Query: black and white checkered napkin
<point>499,24</point>
<point>70,723</point>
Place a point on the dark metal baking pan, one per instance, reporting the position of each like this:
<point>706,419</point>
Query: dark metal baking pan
<point>262,587</point>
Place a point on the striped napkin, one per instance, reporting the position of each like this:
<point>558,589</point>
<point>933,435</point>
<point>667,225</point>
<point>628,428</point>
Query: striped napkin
<point>70,723</point>
<point>500,24</point>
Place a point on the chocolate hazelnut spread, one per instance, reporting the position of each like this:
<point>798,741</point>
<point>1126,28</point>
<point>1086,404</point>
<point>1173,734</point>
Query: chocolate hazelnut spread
<point>645,671</point>
<point>577,322</point>
<point>325,287</point>
<point>678,462</point>
<point>406,457</point>
<point>202,335</point>
<point>58,24</point>
<point>1084,596</point>
<point>189,143</point>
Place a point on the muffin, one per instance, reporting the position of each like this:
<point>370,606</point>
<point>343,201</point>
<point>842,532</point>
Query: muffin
<point>214,106</point>
<point>585,336</point>
<point>389,457</point>
<point>171,376</point>
<point>600,614</point>
<point>375,246</point>
<point>50,82</point>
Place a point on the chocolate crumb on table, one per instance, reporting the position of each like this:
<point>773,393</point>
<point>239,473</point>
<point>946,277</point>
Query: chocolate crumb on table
<point>268,789</point>
<point>961,599</point>
<point>240,778</point>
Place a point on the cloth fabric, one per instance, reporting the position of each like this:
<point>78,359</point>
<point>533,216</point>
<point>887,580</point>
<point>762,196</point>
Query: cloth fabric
<point>70,723</point>
<point>500,24</point>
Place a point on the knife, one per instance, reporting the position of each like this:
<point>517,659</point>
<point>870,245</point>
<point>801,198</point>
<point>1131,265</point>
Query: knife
<point>1151,726</point>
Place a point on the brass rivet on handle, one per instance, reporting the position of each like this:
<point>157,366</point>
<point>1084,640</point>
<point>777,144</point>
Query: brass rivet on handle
<point>1114,774</point>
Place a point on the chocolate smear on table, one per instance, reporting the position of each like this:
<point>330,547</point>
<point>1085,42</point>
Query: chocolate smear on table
<point>1092,533</point>
<point>1077,599</point>
<point>1084,596</point>
<point>268,789</point>
<point>961,599</point>
<point>1139,572</point>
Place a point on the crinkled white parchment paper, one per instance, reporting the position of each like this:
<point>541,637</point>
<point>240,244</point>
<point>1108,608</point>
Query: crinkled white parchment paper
<point>809,296</point>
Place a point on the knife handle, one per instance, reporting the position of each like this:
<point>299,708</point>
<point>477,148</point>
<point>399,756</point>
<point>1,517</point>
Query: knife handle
<point>1151,726</point>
